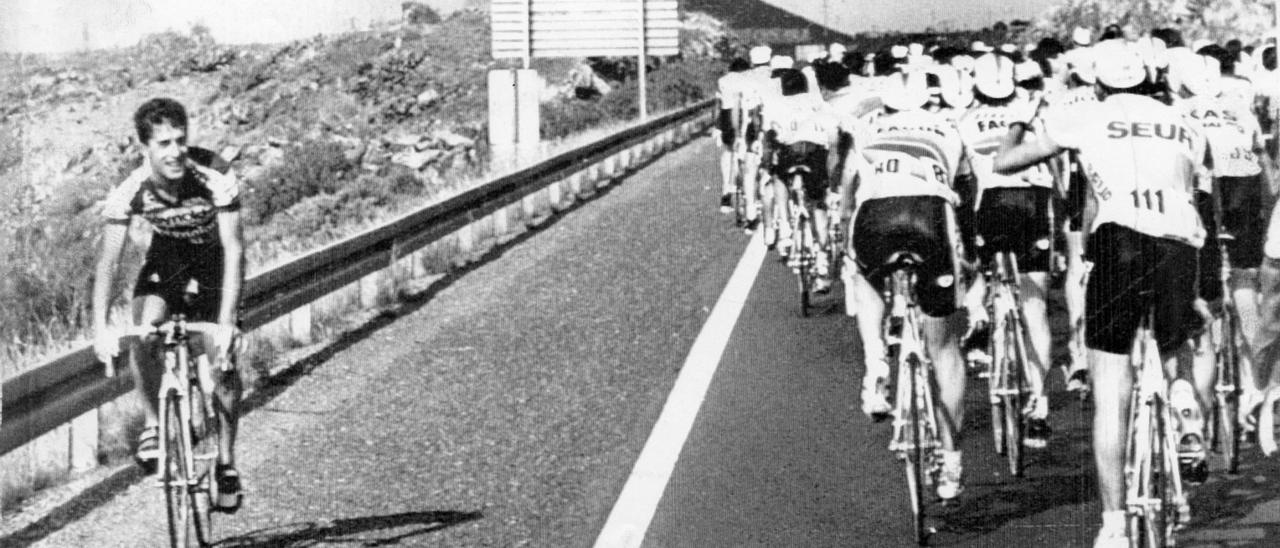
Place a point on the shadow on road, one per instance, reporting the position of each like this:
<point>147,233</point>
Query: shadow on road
<point>388,530</point>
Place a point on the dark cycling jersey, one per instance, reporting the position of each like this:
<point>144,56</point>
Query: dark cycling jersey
<point>185,212</point>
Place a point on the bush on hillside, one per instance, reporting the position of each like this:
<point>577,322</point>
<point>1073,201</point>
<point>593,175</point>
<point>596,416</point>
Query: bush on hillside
<point>1218,20</point>
<point>673,85</point>
<point>306,170</point>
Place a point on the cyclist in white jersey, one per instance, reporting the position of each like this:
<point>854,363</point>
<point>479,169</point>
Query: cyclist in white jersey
<point>729,122</point>
<point>1239,184</point>
<point>912,175</point>
<point>803,131</point>
<point>1012,215</point>
<point>1143,159</point>
<point>757,84</point>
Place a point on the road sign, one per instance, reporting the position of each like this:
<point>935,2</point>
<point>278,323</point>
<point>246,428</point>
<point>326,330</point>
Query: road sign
<point>584,28</point>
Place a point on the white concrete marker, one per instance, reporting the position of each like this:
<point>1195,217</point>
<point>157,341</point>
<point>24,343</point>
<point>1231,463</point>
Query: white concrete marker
<point>629,520</point>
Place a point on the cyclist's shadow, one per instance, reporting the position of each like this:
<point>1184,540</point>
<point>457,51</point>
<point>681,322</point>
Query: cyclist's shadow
<point>387,530</point>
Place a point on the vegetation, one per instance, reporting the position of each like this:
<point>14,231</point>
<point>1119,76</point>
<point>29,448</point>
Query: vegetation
<point>1217,20</point>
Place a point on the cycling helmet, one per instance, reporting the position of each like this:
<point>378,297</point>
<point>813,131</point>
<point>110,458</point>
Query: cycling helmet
<point>760,55</point>
<point>782,62</point>
<point>1118,66</point>
<point>906,91</point>
<point>1081,37</point>
<point>993,76</point>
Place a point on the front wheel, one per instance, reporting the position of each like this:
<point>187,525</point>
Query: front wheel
<point>175,470</point>
<point>804,256</point>
<point>204,490</point>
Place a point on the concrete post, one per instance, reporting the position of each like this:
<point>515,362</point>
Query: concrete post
<point>84,442</point>
<point>528,119</point>
<point>300,324</point>
<point>502,118</point>
<point>369,289</point>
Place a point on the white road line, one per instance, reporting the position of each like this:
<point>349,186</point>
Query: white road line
<point>629,520</point>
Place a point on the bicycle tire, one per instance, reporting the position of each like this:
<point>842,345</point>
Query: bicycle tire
<point>996,351</point>
<point>1016,390</point>
<point>206,443</point>
<point>1228,432</point>
<point>174,471</point>
<point>739,196</point>
<point>917,462</point>
<point>805,274</point>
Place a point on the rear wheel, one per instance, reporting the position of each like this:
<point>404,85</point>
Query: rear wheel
<point>1015,390</point>
<point>804,254</point>
<point>174,471</point>
<point>1227,430</point>
<point>995,381</point>
<point>917,461</point>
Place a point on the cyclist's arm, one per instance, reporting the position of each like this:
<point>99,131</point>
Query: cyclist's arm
<point>232,237</point>
<point>1017,154</point>
<point>106,345</point>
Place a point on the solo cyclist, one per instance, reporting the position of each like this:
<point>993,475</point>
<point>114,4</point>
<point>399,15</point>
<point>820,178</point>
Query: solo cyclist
<point>194,265</point>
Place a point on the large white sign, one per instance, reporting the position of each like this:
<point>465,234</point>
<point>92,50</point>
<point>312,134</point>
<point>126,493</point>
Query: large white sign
<point>584,28</point>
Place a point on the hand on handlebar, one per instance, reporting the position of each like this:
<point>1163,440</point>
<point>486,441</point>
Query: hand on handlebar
<point>106,346</point>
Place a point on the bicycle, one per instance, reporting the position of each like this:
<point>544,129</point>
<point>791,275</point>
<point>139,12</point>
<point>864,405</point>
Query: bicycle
<point>1007,384</point>
<point>188,431</point>
<point>803,256</point>
<point>1155,504</point>
<point>916,440</point>
<point>1227,432</point>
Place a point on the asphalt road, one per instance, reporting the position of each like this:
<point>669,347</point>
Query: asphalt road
<point>507,406</point>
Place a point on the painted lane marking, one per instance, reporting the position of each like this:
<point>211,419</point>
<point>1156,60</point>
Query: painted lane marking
<point>629,520</point>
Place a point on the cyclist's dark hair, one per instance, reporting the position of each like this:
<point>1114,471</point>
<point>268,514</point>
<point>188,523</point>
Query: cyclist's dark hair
<point>739,64</point>
<point>1172,38</point>
<point>832,75</point>
<point>884,62</point>
<point>1235,46</point>
<point>1269,58</point>
<point>1226,61</point>
<point>1110,32</point>
<point>852,61</point>
<point>793,82</point>
<point>1046,49</point>
<point>161,110</point>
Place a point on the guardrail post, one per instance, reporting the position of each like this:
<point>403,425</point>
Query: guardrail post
<point>606,171</point>
<point>554,194</point>
<point>369,286</point>
<point>300,324</point>
<point>501,223</point>
<point>84,442</point>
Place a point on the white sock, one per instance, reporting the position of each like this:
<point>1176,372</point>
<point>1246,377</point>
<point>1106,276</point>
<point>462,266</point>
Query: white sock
<point>1113,519</point>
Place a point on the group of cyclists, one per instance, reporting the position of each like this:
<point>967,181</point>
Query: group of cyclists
<point>1130,166</point>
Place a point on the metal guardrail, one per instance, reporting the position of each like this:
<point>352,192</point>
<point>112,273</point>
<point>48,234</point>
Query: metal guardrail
<point>44,398</point>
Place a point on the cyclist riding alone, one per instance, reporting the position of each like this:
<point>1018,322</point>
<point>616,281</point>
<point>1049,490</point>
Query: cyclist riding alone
<point>1142,159</point>
<point>1012,216</point>
<point>802,129</point>
<point>194,266</point>
<point>910,178</point>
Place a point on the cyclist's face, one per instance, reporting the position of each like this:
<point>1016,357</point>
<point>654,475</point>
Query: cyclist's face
<point>167,151</point>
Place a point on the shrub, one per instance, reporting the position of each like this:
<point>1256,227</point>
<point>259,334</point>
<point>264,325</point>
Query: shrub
<point>417,13</point>
<point>308,169</point>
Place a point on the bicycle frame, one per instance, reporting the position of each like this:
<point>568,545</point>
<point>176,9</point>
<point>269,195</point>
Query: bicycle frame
<point>915,426</point>
<point>1007,383</point>
<point>1155,503</point>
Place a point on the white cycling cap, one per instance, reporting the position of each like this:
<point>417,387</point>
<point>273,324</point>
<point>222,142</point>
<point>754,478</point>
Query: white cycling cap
<point>836,50</point>
<point>963,63</point>
<point>993,76</point>
<point>898,52</point>
<point>1081,36</point>
<point>760,55</point>
<point>782,62</point>
<point>1118,65</point>
<point>980,46</point>
<point>1198,74</point>
<point>1008,48</point>
<point>915,49</point>
<point>955,89</point>
<point>906,91</point>
<point>1080,63</point>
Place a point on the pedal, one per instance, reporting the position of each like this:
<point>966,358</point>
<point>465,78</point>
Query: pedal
<point>1193,467</point>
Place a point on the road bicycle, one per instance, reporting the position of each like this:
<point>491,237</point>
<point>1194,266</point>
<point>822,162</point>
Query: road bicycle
<point>916,440</point>
<point>803,256</point>
<point>1228,343</point>
<point>188,430</point>
<point>1007,386</point>
<point>1155,503</point>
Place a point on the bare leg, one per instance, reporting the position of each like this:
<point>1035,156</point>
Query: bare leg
<point>145,361</point>
<point>942,335</point>
<point>1112,383</point>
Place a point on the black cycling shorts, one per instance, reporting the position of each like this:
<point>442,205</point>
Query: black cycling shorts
<point>914,224</point>
<point>1243,219</point>
<point>1134,273</point>
<point>724,123</point>
<point>1077,194</point>
<point>1015,220</point>
<point>811,160</point>
<point>172,271</point>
